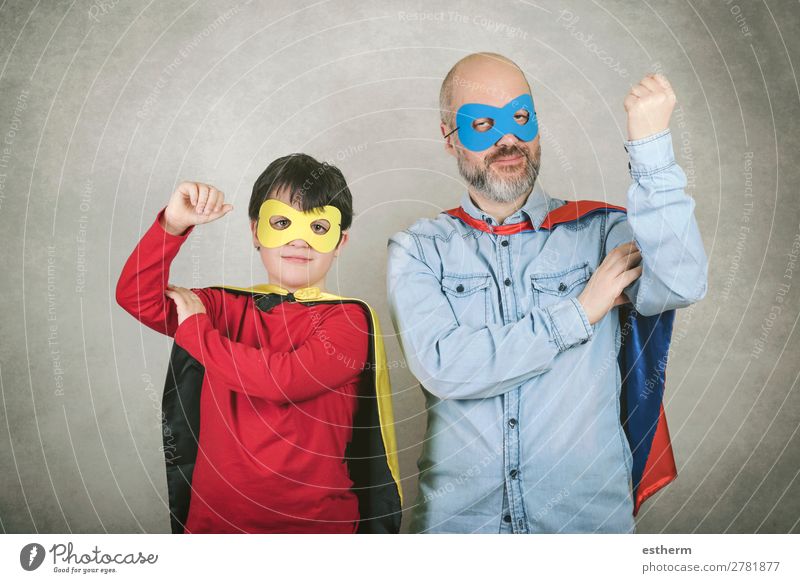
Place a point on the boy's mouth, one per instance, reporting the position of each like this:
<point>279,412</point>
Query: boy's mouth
<point>296,258</point>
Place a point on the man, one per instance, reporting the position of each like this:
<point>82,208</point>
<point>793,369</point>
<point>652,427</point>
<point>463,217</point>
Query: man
<point>507,313</point>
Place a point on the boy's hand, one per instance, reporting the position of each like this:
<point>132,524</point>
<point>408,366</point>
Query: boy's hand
<point>604,290</point>
<point>649,105</point>
<point>194,203</point>
<point>186,301</point>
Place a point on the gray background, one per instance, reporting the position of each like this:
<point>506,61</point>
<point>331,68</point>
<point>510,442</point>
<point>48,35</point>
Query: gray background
<point>107,105</point>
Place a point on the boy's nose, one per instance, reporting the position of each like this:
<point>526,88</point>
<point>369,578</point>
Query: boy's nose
<point>298,243</point>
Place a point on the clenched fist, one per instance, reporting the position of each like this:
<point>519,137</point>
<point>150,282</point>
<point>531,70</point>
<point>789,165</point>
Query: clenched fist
<point>194,203</point>
<point>617,271</point>
<point>649,106</point>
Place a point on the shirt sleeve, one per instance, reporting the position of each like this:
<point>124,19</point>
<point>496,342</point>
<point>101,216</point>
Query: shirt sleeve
<point>333,355</point>
<point>457,361</point>
<point>144,278</point>
<point>661,220</point>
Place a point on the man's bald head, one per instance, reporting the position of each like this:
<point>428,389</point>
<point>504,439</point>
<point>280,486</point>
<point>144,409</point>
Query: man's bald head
<point>486,77</point>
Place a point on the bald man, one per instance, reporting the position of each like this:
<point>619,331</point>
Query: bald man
<point>507,307</point>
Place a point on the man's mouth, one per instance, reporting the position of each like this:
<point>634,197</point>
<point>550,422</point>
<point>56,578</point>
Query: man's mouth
<point>508,160</point>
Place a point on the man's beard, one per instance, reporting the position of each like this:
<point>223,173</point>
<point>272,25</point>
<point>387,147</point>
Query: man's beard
<point>493,185</point>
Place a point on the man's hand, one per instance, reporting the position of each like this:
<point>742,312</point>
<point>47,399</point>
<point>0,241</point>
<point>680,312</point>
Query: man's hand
<point>186,301</point>
<point>649,105</point>
<point>194,203</point>
<point>604,290</point>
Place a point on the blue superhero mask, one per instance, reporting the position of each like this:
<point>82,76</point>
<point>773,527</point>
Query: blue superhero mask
<point>480,126</point>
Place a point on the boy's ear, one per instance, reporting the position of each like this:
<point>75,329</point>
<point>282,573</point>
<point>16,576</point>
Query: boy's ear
<point>254,230</point>
<point>342,241</point>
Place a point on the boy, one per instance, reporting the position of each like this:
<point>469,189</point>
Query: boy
<point>284,384</point>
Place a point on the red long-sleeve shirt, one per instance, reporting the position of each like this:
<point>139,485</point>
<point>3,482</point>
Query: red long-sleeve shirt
<point>277,401</point>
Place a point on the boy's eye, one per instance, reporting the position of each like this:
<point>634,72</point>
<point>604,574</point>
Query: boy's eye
<point>522,117</point>
<point>321,226</point>
<point>483,124</point>
<point>279,223</point>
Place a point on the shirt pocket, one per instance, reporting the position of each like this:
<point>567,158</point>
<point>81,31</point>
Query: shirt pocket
<point>468,295</point>
<point>549,288</point>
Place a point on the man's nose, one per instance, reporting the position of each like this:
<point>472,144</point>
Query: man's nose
<point>507,140</point>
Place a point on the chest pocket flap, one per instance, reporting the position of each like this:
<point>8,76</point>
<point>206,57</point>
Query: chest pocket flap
<point>468,295</point>
<point>465,285</point>
<point>563,282</point>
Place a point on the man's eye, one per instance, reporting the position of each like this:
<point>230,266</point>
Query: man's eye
<point>483,124</point>
<point>321,227</point>
<point>521,117</point>
<point>280,223</point>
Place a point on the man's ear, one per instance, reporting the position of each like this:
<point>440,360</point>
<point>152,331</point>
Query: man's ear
<point>342,242</point>
<point>448,141</point>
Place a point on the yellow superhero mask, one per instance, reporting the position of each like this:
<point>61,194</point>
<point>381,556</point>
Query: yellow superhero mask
<point>308,226</point>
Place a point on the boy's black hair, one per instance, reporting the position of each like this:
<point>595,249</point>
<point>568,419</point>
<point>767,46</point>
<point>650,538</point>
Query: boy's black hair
<point>313,184</point>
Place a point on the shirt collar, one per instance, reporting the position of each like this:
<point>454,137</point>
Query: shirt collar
<point>535,209</point>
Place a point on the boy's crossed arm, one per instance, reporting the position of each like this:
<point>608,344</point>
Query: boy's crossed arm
<point>333,355</point>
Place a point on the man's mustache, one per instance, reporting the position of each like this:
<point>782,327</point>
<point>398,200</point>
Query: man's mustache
<point>504,152</point>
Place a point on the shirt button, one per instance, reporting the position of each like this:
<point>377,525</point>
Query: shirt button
<point>507,518</point>
<point>512,423</point>
<point>459,288</point>
<point>562,286</point>
<point>584,341</point>
<point>504,242</point>
<point>513,474</point>
<point>507,281</point>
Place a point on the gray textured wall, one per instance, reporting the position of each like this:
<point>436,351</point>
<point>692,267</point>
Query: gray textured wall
<point>106,105</point>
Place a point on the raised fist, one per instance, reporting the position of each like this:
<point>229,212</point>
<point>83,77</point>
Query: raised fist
<point>194,203</point>
<point>649,105</point>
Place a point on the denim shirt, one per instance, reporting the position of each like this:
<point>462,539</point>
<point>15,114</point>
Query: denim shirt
<point>522,393</point>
